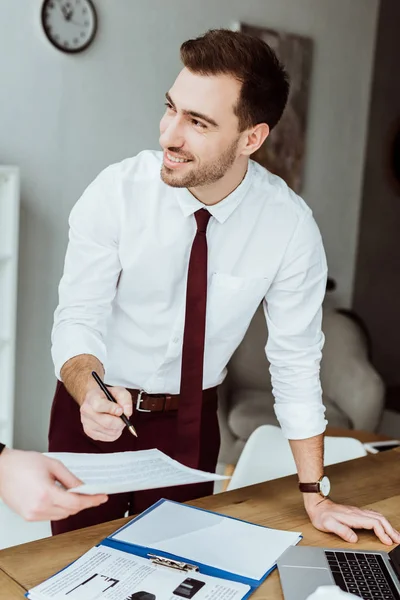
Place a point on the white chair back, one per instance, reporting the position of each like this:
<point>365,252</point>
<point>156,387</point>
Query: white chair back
<point>267,455</point>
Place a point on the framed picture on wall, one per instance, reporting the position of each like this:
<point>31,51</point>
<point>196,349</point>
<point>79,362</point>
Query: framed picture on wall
<point>283,153</point>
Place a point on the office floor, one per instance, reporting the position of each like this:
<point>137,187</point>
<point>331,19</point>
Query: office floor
<point>14,530</point>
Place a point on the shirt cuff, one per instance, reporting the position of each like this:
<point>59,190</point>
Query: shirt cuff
<point>73,342</point>
<point>300,421</point>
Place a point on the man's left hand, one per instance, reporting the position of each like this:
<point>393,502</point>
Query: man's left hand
<point>328,516</point>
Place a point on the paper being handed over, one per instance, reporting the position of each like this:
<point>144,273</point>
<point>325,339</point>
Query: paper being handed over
<point>129,471</point>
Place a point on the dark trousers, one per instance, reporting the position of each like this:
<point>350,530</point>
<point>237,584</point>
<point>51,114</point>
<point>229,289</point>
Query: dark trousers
<point>155,430</point>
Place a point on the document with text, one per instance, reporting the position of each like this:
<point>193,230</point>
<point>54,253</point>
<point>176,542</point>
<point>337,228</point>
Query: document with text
<point>173,551</point>
<point>107,574</point>
<point>119,472</point>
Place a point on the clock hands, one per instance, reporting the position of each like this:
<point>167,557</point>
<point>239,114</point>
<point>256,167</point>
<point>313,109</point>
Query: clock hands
<point>68,14</point>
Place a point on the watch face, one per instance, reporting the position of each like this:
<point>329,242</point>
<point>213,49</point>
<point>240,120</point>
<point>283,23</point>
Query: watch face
<point>325,486</point>
<point>70,25</point>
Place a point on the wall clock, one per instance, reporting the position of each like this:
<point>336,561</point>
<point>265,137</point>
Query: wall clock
<point>70,25</point>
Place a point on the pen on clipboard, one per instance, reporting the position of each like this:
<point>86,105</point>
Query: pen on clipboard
<point>112,399</point>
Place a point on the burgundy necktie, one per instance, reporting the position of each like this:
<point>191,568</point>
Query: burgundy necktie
<point>191,392</point>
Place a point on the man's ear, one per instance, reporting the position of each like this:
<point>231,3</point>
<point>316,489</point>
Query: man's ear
<point>254,138</point>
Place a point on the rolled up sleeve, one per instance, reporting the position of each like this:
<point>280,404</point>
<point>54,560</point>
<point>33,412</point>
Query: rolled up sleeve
<point>293,311</point>
<point>91,272</point>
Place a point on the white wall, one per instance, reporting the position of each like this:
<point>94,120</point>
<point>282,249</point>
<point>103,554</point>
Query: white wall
<point>62,119</point>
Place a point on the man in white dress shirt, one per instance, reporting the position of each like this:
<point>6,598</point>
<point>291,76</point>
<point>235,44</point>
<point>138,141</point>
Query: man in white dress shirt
<point>133,270</point>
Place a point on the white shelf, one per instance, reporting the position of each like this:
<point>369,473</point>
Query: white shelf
<point>9,225</point>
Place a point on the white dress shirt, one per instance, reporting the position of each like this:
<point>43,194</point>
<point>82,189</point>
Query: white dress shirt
<point>122,295</point>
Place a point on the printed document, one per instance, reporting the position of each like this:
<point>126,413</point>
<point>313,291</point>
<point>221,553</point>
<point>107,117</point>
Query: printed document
<point>107,574</point>
<point>129,471</point>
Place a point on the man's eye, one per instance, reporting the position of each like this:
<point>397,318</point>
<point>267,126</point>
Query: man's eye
<point>169,106</point>
<point>199,124</point>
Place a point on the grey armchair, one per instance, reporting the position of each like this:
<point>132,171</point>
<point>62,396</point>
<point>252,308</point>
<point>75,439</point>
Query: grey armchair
<point>353,392</point>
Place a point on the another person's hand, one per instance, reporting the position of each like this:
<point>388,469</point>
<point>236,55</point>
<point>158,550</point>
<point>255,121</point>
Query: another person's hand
<point>328,516</point>
<point>28,487</point>
<point>101,418</point>
<point>330,592</point>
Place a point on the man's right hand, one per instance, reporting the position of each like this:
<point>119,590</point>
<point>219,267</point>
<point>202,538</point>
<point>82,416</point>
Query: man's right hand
<point>101,418</point>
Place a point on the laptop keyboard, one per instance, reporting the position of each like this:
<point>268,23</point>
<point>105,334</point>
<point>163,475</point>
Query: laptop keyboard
<point>364,575</point>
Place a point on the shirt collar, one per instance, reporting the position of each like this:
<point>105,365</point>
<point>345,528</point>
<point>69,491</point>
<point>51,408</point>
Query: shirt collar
<point>222,210</point>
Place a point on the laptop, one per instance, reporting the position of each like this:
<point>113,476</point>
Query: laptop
<point>366,574</point>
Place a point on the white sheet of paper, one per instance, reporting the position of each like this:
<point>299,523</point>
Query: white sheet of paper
<point>129,471</point>
<point>224,543</point>
<point>108,574</point>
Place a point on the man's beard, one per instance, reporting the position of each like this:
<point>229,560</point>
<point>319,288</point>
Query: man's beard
<point>207,174</point>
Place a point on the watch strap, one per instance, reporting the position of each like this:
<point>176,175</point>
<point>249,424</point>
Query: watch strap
<point>309,487</point>
<point>2,446</point>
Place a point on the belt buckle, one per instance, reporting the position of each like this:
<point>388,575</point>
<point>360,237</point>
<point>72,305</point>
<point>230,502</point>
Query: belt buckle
<point>139,401</point>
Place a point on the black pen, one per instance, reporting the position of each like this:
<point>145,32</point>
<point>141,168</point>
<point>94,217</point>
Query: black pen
<point>112,399</point>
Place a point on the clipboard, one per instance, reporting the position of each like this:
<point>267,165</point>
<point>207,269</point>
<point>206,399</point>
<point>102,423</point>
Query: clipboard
<point>189,564</point>
<point>188,549</point>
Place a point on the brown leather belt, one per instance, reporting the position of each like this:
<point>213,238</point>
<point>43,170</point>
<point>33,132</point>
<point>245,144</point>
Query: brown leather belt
<point>144,402</point>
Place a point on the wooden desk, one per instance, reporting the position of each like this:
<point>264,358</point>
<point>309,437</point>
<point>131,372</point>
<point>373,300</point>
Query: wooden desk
<point>9,589</point>
<point>358,434</point>
<point>372,481</point>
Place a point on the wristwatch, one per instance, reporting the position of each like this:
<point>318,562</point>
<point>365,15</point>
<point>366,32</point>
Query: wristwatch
<point>322,486</point>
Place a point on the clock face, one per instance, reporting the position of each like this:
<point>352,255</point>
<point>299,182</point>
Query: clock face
<point>70,25</point>
<point>325,486</point>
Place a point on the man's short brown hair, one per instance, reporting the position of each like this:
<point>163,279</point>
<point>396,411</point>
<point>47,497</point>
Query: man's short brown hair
<point>265,83</point>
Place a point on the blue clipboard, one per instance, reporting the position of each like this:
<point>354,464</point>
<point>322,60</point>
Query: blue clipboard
<point>183,563</point>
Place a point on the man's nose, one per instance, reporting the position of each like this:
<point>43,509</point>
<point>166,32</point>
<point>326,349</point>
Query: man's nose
<point>172,135</point>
